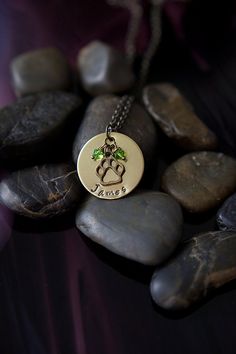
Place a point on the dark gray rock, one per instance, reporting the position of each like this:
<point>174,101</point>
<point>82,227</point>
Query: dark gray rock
<point>41,191</point>
<point>144,227</point>
<point>40,70</point>
<point>138,125</point>
<point>176,117</point>
<point>200,181</point>
<point>226,216</point>
<point>205,262</point>
<point>28,127</point>
<point>103,69</point>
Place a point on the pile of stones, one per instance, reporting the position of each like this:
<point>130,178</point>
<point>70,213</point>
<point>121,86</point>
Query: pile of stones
<point>43,131</point>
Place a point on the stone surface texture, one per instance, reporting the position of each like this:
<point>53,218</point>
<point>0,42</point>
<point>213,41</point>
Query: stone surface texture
<point>103,69</point>
<point>40,70</point>
<point>200,181</point>
<point>41,191</point>
<point>226,216</point>
<point>30,125</point>
<point>205,262</point>
<point>144,226</point>
<point>176,117</point>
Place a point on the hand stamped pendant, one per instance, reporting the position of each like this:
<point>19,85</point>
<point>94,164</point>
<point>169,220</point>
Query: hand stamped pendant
<point>110,167</point>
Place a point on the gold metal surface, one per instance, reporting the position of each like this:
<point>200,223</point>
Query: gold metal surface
<point>110,178</point>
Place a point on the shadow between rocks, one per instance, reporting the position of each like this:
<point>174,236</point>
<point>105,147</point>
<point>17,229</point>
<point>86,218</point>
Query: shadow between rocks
<point>128,268</point>
<point>195,224</point>
<point>55,224</point>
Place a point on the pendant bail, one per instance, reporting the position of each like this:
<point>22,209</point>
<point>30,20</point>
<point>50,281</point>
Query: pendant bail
<point>108,131</point>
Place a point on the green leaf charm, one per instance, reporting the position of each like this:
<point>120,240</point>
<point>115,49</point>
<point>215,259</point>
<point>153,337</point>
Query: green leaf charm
<point>120,154</point>
<point>98,154</point>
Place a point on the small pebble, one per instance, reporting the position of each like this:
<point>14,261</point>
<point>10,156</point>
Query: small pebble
<point>200,181</point>
<point>40,70</point>
<point>175,116</point>
<point>204,263</point>
<point>226,216</point>
<point>145,227</point>
<point>103,69</point>
<point>29,126</point>
<point>41,191</point>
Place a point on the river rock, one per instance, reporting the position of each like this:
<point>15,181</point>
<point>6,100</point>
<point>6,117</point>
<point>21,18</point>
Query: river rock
<point>138,125</point>
<point>176,117</point>
<point>204,262</point>
<point>226,216</point>
<point>40,70</point>
<point>144,227</point>
<point>200,181</point>
<point>41,191</point>
<point>29,126</point>
<point>103,69</point>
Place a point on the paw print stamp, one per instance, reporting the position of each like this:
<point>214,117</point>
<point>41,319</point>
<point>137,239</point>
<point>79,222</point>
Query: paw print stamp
<point>110,170</point>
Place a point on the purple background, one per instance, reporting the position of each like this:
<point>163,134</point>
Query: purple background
<point>60,293</point>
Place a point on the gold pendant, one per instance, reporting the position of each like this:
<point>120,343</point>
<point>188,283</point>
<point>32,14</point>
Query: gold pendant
<point>111,166</point>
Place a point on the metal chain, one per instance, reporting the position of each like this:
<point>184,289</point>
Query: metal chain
<point>136,12</point>
<point>156,29</point>
<point>121,113</point>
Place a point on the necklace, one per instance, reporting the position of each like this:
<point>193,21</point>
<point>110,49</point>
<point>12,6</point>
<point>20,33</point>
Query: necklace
<point>110,165</point>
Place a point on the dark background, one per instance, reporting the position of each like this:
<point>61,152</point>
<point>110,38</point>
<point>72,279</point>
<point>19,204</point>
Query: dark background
<point>60,293</point>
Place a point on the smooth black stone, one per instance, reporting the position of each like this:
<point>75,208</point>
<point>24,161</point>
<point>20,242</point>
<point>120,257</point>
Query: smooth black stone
<point>226,216</point>
<point>138,125</point>
<point>40,70</point>
<point>32,124</point>
<point>103,69</point>
<point>205,262</point>
<point>41,191</point>
<point>145,226</point>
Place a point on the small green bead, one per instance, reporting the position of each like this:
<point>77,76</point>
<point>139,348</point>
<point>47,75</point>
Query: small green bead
<point>120,154</point>
<point>98,154</point>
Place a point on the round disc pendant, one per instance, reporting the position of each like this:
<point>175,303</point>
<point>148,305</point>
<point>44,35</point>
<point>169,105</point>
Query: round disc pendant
<point>110,168</point>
